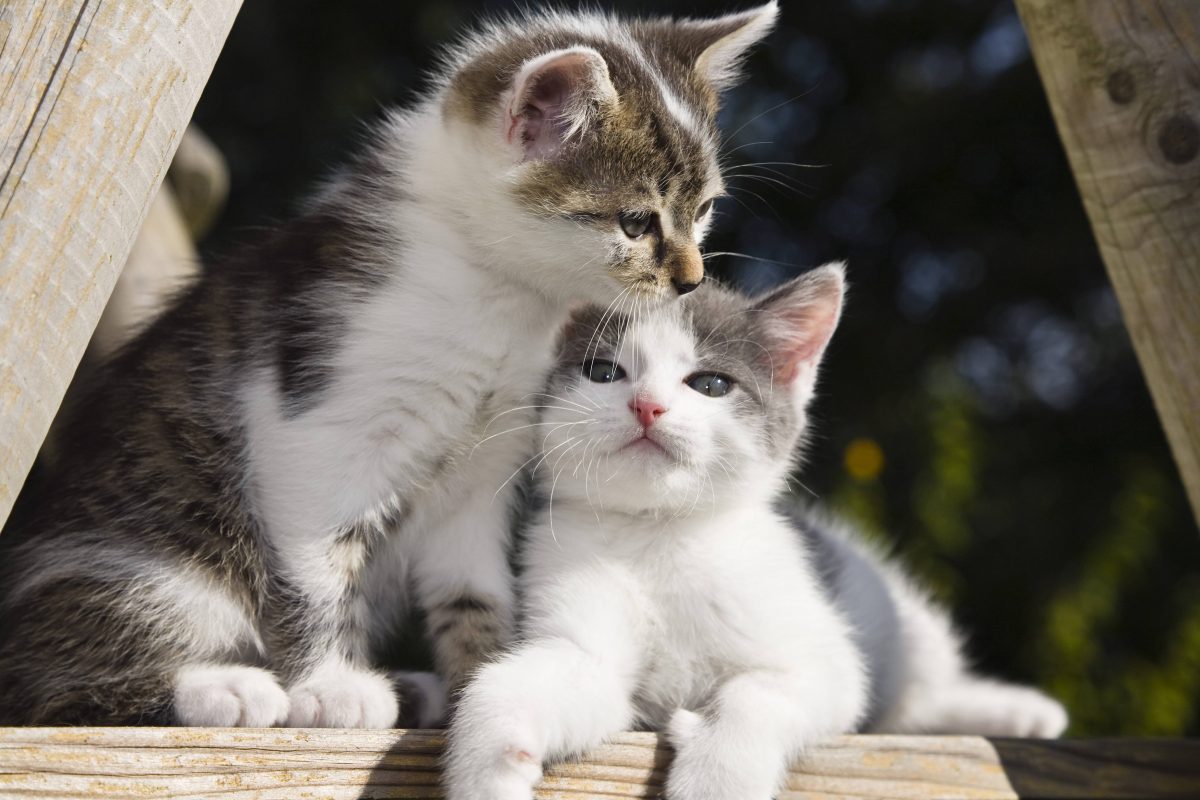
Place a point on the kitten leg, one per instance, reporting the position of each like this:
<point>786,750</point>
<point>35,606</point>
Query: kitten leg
<point>317,633</point>
<point>980,707</point>
<point>464,585</point>
<point>228,695</point>
<point>549,699</point>
<point>739,747</point>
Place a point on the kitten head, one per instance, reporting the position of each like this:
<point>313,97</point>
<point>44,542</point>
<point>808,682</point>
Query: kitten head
<point>683,406</point>
<point>584,148</point>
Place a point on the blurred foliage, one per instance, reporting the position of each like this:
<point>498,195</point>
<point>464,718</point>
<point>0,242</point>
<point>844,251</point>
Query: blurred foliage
<point>1012,454</point>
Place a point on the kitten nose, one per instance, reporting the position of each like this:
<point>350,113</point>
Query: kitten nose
<point>646,410</point>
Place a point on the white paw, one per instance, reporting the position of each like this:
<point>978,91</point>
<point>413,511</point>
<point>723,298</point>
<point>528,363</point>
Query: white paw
<point>992,708</point>
<point>477,771</point>
<point>709,766</point>
<point>343,698</point>
<point>228,695</point>
<point>1033,714</point>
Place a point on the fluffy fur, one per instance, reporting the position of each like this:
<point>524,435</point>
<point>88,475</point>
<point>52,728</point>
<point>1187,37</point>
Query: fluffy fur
<point>664,588</point>
<point>254,485</point>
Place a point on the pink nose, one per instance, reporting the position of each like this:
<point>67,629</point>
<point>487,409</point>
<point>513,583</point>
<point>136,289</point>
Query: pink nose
<point>646,410</point>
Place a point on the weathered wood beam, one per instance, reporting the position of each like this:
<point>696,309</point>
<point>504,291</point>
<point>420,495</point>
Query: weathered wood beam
<point>94,98</point>
<point>1123,79</point>
<point>281,763</point>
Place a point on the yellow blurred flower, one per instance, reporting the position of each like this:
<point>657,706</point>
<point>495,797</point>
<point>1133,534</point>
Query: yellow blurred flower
<point>863,459</point>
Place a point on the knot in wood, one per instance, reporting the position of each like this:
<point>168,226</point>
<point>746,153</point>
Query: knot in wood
<point>1121,87</point>
<point>1179,139</point>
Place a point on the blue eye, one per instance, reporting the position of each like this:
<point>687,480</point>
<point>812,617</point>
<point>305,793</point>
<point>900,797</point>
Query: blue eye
<point>600,371</point>
<point>710,384</point>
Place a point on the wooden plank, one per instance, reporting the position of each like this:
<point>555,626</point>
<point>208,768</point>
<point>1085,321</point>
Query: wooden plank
<point>1124,769</point>
<point>281,763</point>
<point>1123,80</point>
<point>288,763</point>
<point>94,97</point>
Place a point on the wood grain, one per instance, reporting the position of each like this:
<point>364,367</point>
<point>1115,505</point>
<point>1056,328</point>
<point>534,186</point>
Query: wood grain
<point>285,763</point>
<point>174,762</point>
<point>1123,80</point>
<point>94,97</point>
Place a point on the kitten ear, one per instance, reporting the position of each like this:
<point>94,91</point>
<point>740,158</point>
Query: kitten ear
<point>800,318</point>
<point>555,97</point>
<point>718,46</point>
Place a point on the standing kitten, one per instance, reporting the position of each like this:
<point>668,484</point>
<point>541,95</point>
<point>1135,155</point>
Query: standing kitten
<point>662,588</point>
<point>252,484</point>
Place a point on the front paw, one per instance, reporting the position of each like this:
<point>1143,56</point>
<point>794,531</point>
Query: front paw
<point>228,695</point>
<point>343,698</point>
<point>479,772</point>
<point>707,769</point>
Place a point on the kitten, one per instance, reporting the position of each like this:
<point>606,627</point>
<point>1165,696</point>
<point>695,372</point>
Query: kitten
<point>254,483</point>
<point>662,588</point>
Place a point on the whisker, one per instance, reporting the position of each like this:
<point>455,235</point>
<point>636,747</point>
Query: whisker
<point>560,399</point>
<point>553,485</point>
<point>759,116</point>
<point>525,427</point>
<point>760,198</point>
<point>527,408</point>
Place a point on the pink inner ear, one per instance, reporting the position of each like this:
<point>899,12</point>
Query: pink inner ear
<point>542,114</point>
<point>803,315</point>
<point>547,92</point>
<point>809,329</point>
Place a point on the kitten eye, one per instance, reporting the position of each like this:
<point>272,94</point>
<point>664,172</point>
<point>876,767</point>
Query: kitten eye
<point>635,224</point>
<point>710,384</point>
<point>600,371</point>
<point>703,210</point>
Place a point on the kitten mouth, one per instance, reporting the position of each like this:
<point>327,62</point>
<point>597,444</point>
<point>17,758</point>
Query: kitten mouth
<point>645,443</point>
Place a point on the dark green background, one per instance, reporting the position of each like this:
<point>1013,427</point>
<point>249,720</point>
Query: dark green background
<point>1025,478</point>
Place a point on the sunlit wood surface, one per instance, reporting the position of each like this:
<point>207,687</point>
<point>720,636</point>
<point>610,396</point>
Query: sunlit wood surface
<point>279,763</point>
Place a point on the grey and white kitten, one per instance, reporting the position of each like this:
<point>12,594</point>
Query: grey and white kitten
<point>662,586</point>
<point>252,487</point>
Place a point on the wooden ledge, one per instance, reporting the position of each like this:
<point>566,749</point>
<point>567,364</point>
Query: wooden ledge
<point>301,763</point>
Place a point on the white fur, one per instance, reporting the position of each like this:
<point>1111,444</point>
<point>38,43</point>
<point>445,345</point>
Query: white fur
<point>227,695</point>
<point>653,596</point>
<point>663,589</point>
<point>341,696</point>
<point>683,615</point>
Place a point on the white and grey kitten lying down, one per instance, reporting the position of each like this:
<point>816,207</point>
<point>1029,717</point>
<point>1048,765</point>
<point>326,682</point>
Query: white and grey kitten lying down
<point>664,586</point>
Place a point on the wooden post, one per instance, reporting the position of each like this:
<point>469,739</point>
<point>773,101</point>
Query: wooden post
<point>94,98</point>
<point>1123,79</point>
